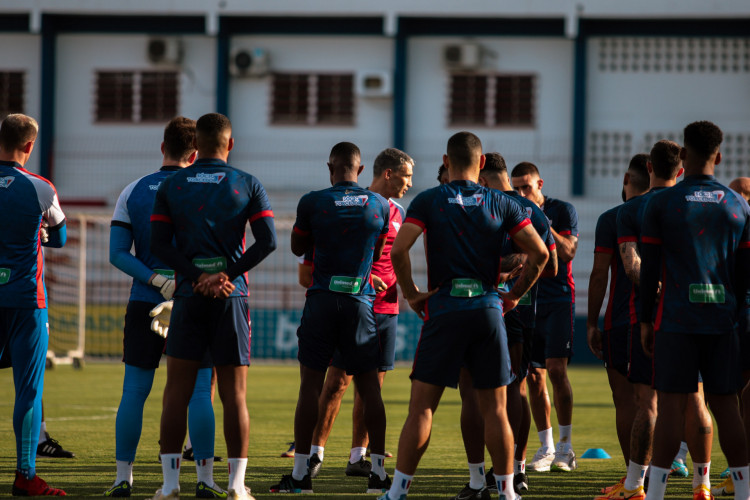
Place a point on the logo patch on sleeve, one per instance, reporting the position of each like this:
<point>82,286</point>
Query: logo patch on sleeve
<point>6,181</point>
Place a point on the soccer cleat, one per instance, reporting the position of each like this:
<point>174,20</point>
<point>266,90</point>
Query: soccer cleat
<point>314,468</point>
<point>489,480</point>
<point>619,491</point>
<point>187,454</point>
<point>34,487</point>
<point>203,490</point>
<point>725,473</point>
<point>361,468</point>
<point>564,461</point>
<point>469,493</point>
<point>679,469</point>
<point>173,495</point>
<point>290,485</point>
<point>290,452</point>
<point>702,493</point>
<point>520,482</point>
<point>377,485</point>
<point>607,489</point>
<point>387,454</point>
<point>119,490</point>
<point>726,487</point>
<point>51,448</point>
<point>237,495</point>
<point>541,461</point>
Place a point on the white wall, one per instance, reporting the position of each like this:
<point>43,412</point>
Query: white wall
<point>95,160</point>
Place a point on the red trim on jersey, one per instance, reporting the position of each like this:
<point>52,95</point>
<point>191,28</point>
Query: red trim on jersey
<point>520,226</point>
<point>604,250</point>
<point>553,246</point>
<point>382,236</point>
<point>418,222</point>
<point>567,232</point>
<point>260,215</point>
<point>651,240</point>
<point>631,306</point>
<point>572,285</point>
<point>612,285</point>
<point>744,244</point>
<point>627,239</point>
<point>38,177</point>
<point>41,300</point>
<point>300,231</point>
<point>161,218</point>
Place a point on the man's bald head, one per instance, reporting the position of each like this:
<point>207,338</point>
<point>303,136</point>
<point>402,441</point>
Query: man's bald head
<point>742,186</point>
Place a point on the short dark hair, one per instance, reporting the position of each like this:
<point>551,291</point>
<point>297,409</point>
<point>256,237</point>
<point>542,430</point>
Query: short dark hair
<point>391,158</point>
<point>703,138</point>
<point>441,170</point>
<point>464,149</point>
<point>347,154</point>
<point>525,168</point>
<point>638,171</point>
<point>209,132</point>
<point>494,163</point>
<point>16,131</point>
<point>178,138</point>
<point>665,159</point>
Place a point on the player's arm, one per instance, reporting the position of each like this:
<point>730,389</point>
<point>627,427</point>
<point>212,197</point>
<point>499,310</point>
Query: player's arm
<point>566,245</point>
<point>651,249</point>
<point>53,223</point>
<point>528,240</point>
<point>631,261</point>
<point>302,238</point>
<point>264,233</point>
<point>120,242</point>
<point>162,233</point>
<point>57,236</point>
<point>407,236</point>
<point>550,268</point>
<point>597,289</point>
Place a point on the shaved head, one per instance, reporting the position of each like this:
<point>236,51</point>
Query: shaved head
<point>742,186</point>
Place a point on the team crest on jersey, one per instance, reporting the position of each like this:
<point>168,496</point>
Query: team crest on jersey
<point>154,187</point>
<point>205,178</point>
<point>352,201</point>
<point>6,181</point>
<point>529,211</point>
<point>472,201</point>
<point>706,196</point>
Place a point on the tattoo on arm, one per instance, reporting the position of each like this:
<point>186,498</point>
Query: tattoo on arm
<point>631,260</point>
<point>512,261</point>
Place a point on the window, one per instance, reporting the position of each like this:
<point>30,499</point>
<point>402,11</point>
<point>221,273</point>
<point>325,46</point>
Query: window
<point>312,99</point>
<point>134,96</point>
<point>11,92</point>
<point>491,100</point>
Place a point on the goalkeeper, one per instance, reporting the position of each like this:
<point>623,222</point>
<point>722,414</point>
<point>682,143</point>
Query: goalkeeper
<point>153,283</point>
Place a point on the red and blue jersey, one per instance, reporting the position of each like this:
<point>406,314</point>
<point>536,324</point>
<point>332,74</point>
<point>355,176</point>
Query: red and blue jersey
<point>563,218</point>
<point>693,236</point>
<point>345,222</point>
<point>26,200</point>
<point>465,226</point>
<point>386,302</point>
<point>209,205</point>
<point>618,311</point>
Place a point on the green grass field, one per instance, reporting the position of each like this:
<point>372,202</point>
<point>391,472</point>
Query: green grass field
<point>81,405</point>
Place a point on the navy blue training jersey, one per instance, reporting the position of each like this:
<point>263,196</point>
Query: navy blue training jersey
<point>345,222</point>
<point>465,226</point>
<point>699,225</point>
<point>619,306</point>
<point>209,204</point>
<point>563,218</point>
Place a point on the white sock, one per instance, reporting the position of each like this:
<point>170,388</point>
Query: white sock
<point>545,437</point>
<point>237,467</point>
<point>636,475</point>
<point>356,454</point>
<point>400,485</point>
<point>188,444</point>
<point>43,432</point>
<point>657,485</point>
<point>205,470</point>
<point>505,486</point>
<point>378,465</point>
<point>319,450</point>
<point>519,466</point>
<point>682,454</point>
<point>170,468</point>
<point>476,476</point>
<point>701,474</point>
<point>124,472</point>
<point>740,479</point>
<point>301,465</point>
<point>565,436</point>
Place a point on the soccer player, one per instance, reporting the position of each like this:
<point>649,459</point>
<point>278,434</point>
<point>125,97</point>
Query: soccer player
<point>198,229</point>
<point>392,172</point>
<point>465,226</point>
<point>32,201</point>
<point>153,282</point>
<point>695,239</point>
<point>347,226</point>
<point>553,332</point>
<point>611,345</point>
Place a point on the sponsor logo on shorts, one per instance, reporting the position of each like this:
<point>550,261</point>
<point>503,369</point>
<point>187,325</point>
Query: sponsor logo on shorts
<point>706,196</point>
<point>206,178</point>
<point>352,201</point>
<point>472,201</point>
<point>6,181</point>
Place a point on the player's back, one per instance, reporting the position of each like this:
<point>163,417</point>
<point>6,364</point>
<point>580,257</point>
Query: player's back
<point>618,312</point>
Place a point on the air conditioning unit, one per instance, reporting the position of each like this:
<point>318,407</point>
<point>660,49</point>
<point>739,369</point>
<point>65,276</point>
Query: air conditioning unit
<point>466,55</point>
<point>373,84</point>
<point>164,50</point>
<point>249,62</point>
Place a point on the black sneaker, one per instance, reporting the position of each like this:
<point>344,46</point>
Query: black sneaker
<point>187,454</point>
<point>52,449</point>
<point>119,490</point>
<point>290,485</point>
<point>520,482</point>
<point>362,468</point>
<point>469,493</point>
<point>315,464</point>
<point>377,485</point>
<point>489,480</point>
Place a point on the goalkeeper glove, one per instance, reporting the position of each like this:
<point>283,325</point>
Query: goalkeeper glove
<point>44,232</point>
<point>164,284</point>
<point>161,315</point>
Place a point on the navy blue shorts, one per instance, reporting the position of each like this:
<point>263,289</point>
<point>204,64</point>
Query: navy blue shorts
<point>334,321</point>
<point>680,357</point>
<point>513,327</point>
<point>387,327</point>
<point>640,366</point>
<point>220,327</point>
<point>615,349</point>
<point>142,347</point>
<point>553,333</point>
<point>743,326</point>
<point>475,339</point>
